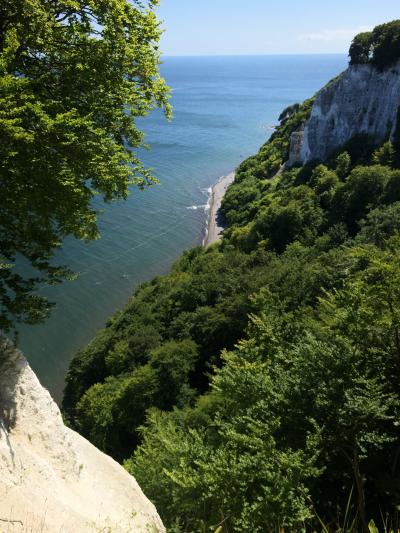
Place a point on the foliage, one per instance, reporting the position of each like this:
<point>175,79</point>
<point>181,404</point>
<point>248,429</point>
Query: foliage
<point>255,384</point>
<point>73,78</point>
<point>386,43</point>
<point>343,164</point>
<point>288,112</point>
<point>360,49</point>
<point>381,47</point>
<point>255,387</point>
<point>384,155</point>
<point>297,409</point>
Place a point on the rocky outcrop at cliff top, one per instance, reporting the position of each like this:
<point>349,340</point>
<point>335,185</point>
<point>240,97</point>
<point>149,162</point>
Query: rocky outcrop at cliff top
<point>52,479</point>
<point>362,100</point>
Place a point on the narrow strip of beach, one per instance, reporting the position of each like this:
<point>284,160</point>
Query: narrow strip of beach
<point>215,225</point>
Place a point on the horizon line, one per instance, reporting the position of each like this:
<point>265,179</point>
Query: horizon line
<point>261,54</point>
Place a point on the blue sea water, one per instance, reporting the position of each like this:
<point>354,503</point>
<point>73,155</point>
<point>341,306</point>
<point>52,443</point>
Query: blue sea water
<point>224,109</point>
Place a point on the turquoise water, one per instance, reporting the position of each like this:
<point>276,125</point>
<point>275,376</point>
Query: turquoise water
<point>224,108</point>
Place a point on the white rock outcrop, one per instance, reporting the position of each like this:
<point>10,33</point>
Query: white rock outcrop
<point>52,479</point>
<point>362,100</point>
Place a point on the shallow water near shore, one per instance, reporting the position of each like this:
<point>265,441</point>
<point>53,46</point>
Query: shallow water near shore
<point>224,109</point>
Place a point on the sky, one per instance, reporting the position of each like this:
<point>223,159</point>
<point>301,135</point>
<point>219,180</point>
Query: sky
<point>241,27</point>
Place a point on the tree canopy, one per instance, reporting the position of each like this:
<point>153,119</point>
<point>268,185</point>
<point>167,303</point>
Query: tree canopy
<point>74,75</point>
<point>381,47</point>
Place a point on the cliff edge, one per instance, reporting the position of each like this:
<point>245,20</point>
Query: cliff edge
<point>362,100</point>
<point>51,478</point>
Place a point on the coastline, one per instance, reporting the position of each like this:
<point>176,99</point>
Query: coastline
<point>214,225</point>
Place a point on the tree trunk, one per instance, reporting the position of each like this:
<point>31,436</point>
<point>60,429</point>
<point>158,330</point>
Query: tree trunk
<point>359,481</point>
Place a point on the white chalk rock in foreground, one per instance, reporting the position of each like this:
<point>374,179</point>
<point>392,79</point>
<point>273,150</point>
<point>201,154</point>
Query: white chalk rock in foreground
<point>52,479</point>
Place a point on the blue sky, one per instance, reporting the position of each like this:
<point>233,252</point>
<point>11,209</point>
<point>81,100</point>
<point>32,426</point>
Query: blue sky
<point>221,27</point>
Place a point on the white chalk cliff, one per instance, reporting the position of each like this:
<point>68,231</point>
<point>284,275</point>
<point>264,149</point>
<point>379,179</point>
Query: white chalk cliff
<point>51,478</point>
<point>362,100</point>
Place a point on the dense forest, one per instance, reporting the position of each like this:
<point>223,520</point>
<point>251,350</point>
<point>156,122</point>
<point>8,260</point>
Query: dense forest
<point>256,386</point>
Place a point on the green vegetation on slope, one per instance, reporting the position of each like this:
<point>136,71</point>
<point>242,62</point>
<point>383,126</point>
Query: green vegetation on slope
<point>303,412</point>
<point>256,385</point>
<point>74,75</point>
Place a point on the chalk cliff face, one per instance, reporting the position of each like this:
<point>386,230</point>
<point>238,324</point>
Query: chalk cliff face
<point>362,100</point>
<point>51,478</point>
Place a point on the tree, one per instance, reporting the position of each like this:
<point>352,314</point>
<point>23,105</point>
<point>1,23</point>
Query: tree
<point>324,182</point>
<point>386,44</point>
<point>74,75</point>
<point>360,48</point>
<point>295,216</point>
<point>231,471</point>
<point>288,112</point>
<point>381,47</point>
<point>384,155</point>
<point>364,189</point>
<point>380,224</point>
<point>343,165</point>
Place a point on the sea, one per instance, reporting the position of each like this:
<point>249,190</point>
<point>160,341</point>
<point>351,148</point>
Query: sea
<point>224,109</point>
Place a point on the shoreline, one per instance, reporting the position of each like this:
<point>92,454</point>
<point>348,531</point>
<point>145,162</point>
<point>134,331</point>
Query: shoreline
<point>214,224</point>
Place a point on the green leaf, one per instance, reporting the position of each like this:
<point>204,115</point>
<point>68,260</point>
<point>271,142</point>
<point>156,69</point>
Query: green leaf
<point>372,527</point>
